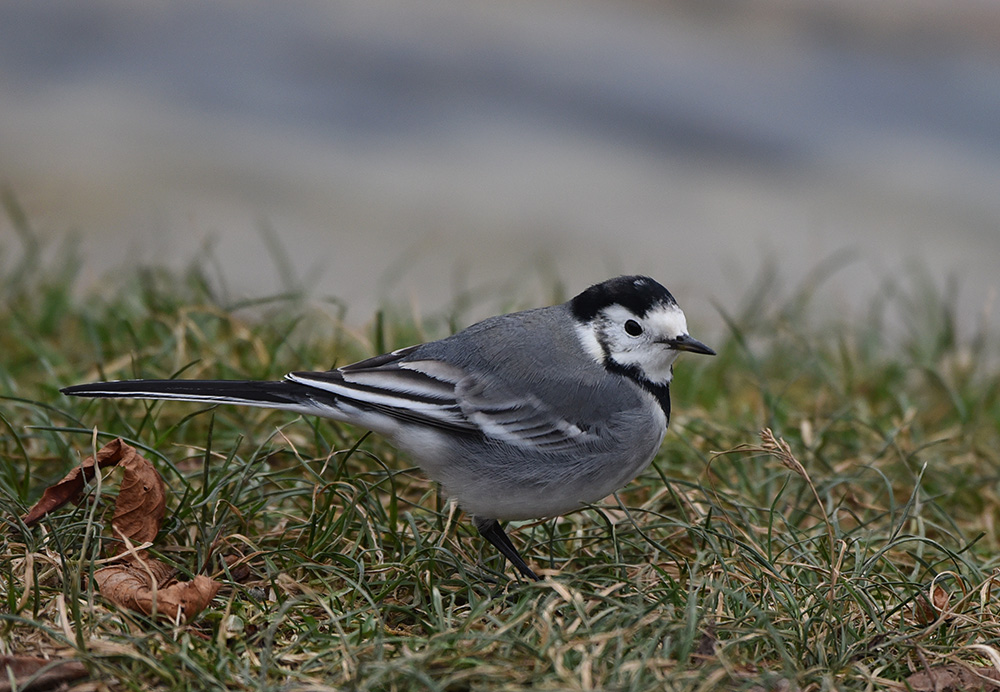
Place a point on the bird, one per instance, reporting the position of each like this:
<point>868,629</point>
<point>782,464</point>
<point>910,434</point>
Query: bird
<point>525,415</point>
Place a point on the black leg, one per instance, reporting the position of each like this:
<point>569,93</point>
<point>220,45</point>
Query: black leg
<point>491,530</point>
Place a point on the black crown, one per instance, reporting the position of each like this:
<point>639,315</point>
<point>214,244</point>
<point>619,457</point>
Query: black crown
<point>638,294</point>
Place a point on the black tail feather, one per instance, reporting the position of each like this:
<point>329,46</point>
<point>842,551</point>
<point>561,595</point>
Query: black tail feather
<point>279,394</point>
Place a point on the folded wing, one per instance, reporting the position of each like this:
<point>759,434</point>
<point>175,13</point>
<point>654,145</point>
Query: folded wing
<point>439,394</point>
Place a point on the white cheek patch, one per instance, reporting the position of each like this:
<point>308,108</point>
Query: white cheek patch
<point>648,353</point>
<point>666,322</point>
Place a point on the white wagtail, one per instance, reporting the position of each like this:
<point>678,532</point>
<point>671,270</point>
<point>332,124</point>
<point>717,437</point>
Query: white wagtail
<point>520,416</point>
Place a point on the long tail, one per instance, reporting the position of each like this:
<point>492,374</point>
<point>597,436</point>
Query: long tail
<point>286,395</point>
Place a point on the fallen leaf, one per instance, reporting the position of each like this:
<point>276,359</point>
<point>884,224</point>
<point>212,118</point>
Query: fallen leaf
<point>117,579</point>
<point>952,677</point>
<point>928,609</point>
<point>141,502</point>
<point>136,582</point>
<point>940,598</point>
<point>239,571</point>
<point>923,611</point>
<point>22,673</point>
<point>148,587</point>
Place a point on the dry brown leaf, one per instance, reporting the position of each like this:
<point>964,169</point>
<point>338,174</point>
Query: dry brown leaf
<point>23,669</point>
<point>145,586</point>
<point>940,598</point>
<point>952,677</point>
<point>136,582</point>
<point>927,610</point>
<point>239,571</point>
<point>141,500</point>
<point>923,611</point>
<point>124,576</point>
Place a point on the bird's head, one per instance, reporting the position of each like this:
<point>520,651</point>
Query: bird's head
<point>633,324</point>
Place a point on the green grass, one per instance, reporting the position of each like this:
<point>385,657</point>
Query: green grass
<point>712,571</point>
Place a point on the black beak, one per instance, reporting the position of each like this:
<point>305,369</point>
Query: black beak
<point>686,343</point>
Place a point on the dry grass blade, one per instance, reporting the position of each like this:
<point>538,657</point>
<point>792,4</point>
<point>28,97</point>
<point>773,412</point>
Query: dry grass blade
<point>780,450</point>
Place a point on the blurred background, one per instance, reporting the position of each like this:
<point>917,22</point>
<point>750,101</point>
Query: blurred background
<point>405,151</point>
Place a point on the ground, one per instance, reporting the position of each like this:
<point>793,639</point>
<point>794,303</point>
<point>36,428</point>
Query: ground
<point>821,514</point>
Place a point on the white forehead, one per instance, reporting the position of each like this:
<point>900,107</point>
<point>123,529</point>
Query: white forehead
<point>663,320</point>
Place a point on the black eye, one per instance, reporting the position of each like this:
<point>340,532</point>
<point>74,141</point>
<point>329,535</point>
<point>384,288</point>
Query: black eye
<point>633,328</point>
